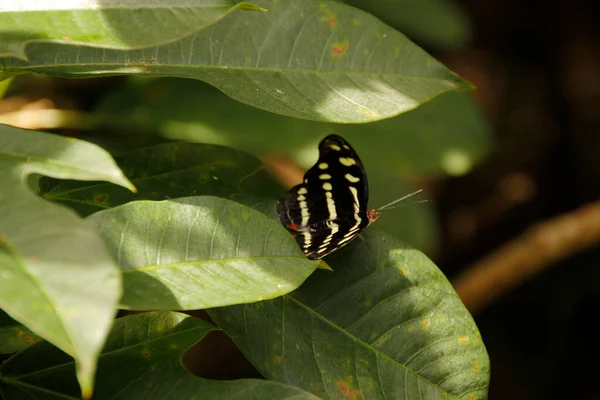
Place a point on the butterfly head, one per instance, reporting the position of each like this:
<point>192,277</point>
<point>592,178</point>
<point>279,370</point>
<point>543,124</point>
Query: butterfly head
<point>373,214</point>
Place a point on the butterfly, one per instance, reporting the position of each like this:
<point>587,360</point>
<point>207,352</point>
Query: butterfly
<point>329,208</point>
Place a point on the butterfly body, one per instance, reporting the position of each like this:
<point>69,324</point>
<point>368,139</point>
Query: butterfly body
<point>329,208</point>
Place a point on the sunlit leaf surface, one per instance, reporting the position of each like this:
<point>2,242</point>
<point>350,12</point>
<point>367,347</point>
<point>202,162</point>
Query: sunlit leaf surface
<point>385,324</point>
<point>200,252</point>
<point>57,278</point>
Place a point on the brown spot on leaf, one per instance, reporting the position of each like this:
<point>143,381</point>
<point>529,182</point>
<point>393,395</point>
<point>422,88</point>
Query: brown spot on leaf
<point>340,48</point>
<point>347,391</point>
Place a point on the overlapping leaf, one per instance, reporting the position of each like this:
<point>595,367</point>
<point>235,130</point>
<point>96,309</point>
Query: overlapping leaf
<point>56,276</point>
<point>310,59</point>
<point>14,336</point>
<point>200,252</point>
<point>141,360</point>
<point>167,171</point>
<point>106,24</point>
<point>385,324</point>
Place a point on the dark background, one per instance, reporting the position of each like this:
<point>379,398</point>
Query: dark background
<point>537,68</point>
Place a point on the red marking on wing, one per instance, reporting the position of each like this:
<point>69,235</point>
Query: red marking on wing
<point>293,226</point>
<point>340,48</point>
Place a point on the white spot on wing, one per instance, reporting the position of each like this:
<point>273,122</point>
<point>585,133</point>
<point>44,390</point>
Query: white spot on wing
<point>303,206</point>
<point>351,178</point>
<point>323,165</point>
<point>327,186</point>
<point>347,161</point>
<point>324,176</point>
<point>335,147</point>
<point>331,205</point>
<point>353,231</point>
<point>304,211</point>
<point>307,241</point>
<point>355,195</point>
<point>334,229</point>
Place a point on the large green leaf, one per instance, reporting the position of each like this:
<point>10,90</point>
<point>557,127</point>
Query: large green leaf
<point>167,171</point>
<point>200,252</point>
<point>14,336</point>
<point>57,277</point>
<point>106,24</point>
<point>385,324</point>
<point>141,360</point>
<point>311,59</point>
<point>438,23</point>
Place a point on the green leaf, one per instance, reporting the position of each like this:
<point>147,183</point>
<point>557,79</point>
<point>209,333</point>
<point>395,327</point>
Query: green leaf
<point>200,252</point>
<point>57,277</point>
<point>110,25</point>
<point>385,324</point>
<point>438,23</point>
<point>141,360</point>
<point>14,336</point>
<point>165,171</point>
<point>311,59</point>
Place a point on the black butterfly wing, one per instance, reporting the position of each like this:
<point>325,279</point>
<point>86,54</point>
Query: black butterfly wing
<point>318,242</point>
<point>329,207</point>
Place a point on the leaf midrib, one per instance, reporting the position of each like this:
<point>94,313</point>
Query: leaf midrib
<point>314,314</point>
<point>223,260</point>
<point>100,7</point>
<point>132,180</point>
<point>223,68</point>
<point>28,160</point>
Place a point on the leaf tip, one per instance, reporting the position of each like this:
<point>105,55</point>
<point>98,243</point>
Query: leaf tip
<point>323,265</point>
<point>244,5</point>
<point>86,381</point>
<point>123,181</point>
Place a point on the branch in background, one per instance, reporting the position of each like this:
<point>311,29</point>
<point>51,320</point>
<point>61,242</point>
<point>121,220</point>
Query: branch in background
<point>283,169</point>
<point>527,255</point>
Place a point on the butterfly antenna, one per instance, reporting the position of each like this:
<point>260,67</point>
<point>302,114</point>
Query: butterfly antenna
<point>387,206</point>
